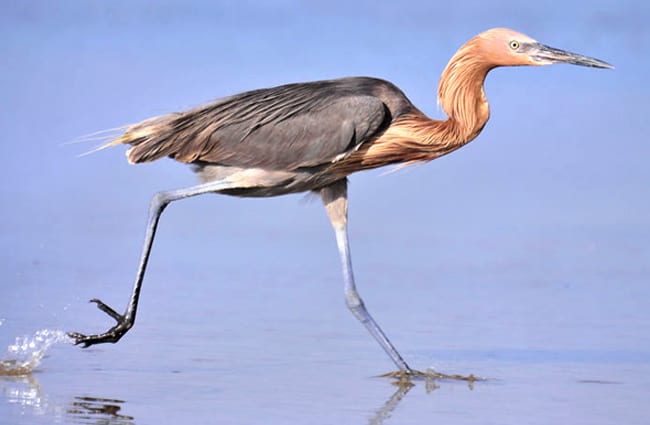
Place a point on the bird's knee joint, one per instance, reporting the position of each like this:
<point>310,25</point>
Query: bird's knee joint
<point>160,200</point>
<point>354,303</point>
<point>358,310</point>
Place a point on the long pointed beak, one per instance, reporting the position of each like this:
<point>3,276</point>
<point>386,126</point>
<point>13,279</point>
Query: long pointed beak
<point>544,55</point>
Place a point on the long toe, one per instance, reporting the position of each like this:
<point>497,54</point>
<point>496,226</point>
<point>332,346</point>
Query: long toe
<point>114,334</point>
<point>106,309</point>
<point>87,340</point>
<point>80,339</point>
<point>76,337</point>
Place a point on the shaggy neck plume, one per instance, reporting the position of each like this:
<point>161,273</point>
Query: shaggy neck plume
<point>461,93</point>
<point>414,137</point>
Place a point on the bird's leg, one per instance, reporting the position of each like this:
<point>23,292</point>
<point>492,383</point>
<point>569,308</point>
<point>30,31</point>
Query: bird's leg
<point>158,203</point>
<point>336,203</point>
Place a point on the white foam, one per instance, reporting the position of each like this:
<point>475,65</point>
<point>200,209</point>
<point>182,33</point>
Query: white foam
<point>26,353</point>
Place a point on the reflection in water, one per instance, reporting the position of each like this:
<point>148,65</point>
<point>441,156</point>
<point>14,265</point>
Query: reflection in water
<point>20,387</point>
<point>26,393</point>
<point>24,355</point>
<point>387,409</point>
<point>404,384</point>
<point>93,410</point>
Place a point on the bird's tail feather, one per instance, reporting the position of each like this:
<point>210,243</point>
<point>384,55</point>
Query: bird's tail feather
<point>145,134</point>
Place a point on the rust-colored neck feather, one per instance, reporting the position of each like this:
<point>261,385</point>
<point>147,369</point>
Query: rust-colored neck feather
<point>414,137</point>
<point>461,92</point>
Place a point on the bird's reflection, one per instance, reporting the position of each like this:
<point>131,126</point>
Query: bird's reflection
<point>386,410</point>
<point>26,393</point>
<point>93,410</point>
<point>405,384</point>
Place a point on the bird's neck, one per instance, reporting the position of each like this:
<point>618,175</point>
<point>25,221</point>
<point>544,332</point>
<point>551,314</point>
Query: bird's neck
<point>462,96</point>
<point>413,137</point>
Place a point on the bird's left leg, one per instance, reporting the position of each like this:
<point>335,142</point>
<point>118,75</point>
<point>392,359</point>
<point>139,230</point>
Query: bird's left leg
<point>158,204</point>
<point>336,203</point>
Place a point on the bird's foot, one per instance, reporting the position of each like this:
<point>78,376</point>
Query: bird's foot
<point>124,323</point>
<point>429,374</point>
<point>404,377</point>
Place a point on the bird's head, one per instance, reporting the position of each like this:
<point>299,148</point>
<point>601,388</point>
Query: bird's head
<point>505,47</point>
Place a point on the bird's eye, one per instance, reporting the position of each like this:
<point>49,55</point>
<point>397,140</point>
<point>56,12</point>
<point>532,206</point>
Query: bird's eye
<point>514,44</point>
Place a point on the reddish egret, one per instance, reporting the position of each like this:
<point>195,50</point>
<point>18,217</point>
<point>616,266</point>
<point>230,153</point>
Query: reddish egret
<point>311,136</point>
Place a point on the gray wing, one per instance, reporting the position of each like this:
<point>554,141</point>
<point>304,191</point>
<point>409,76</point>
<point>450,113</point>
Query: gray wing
<point>286,128</point>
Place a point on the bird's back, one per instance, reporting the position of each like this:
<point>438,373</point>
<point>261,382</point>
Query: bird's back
<point>281,128</point>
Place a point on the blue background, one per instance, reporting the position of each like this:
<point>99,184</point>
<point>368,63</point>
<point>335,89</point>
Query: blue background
<point>551,199</point>
<point>559,174</point>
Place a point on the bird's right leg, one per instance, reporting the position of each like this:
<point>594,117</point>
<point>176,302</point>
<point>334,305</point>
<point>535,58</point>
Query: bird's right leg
<point>158,203</point>
<point>336,203</point>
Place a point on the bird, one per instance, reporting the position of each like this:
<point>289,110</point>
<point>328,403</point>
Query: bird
<point>309,137</point>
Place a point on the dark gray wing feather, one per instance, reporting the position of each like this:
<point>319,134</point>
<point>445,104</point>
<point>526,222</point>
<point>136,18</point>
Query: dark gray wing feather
<point>287,127</point>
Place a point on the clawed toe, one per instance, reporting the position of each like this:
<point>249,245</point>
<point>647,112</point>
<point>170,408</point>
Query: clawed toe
<point>106,309</point>
<point>124,323</point>
<point>77,337</point>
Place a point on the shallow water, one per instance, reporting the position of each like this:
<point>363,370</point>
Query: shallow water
<point>193,357</point>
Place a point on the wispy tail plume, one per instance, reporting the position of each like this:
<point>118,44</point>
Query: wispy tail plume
<point>135,134</point>
<point>103,136</point>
